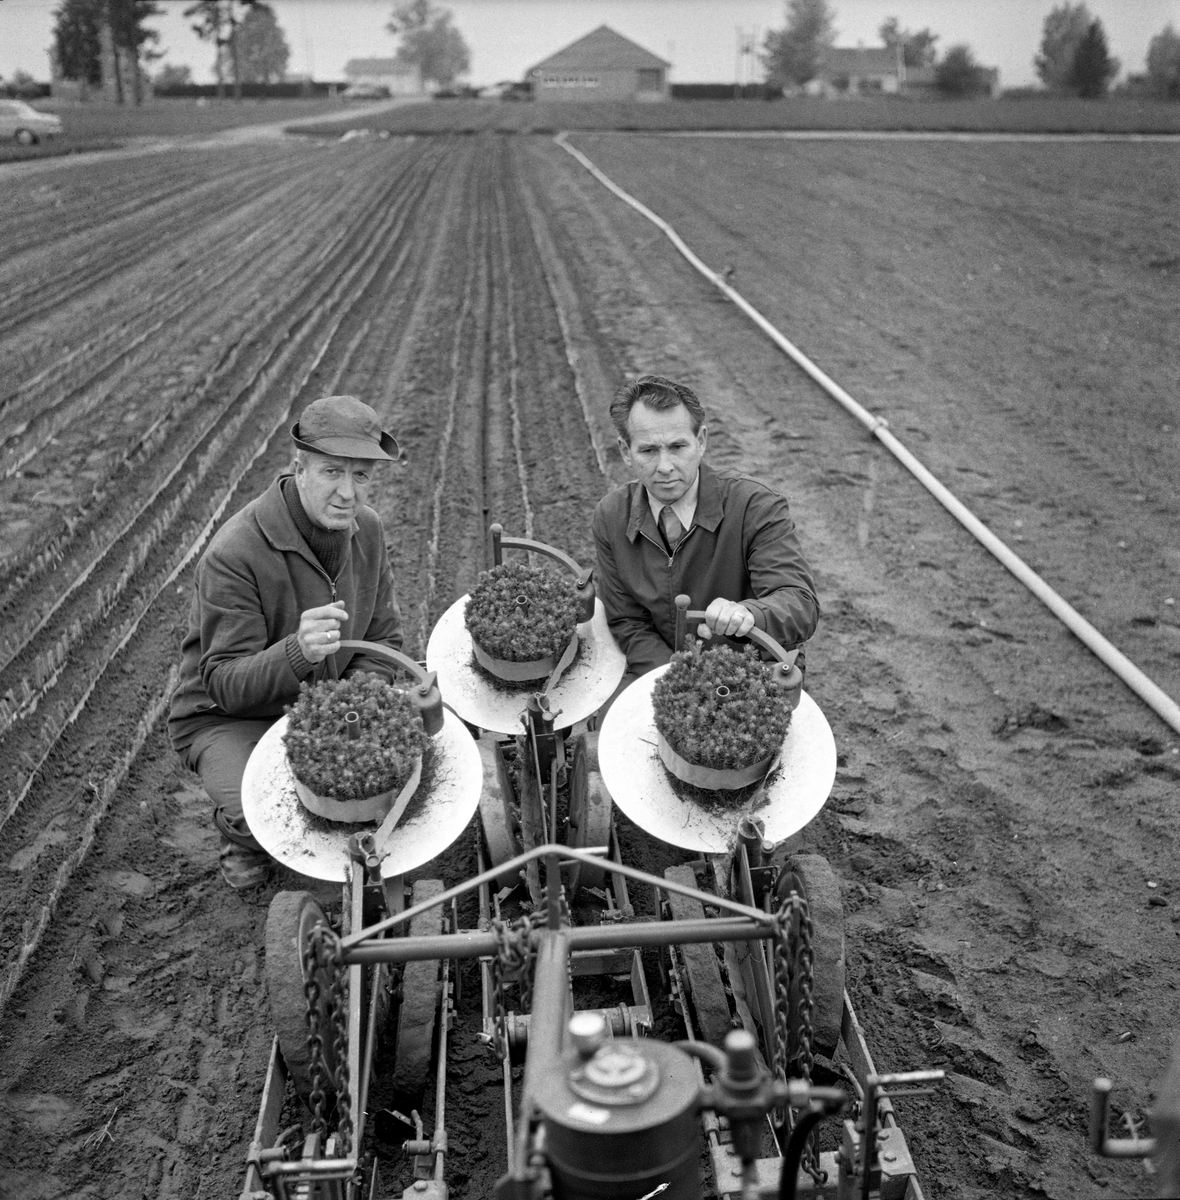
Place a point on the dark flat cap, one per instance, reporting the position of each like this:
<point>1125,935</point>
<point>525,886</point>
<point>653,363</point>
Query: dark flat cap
<point>345,427</point>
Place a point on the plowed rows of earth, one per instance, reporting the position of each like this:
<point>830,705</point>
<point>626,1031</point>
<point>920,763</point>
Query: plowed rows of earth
<point>1002,801</point>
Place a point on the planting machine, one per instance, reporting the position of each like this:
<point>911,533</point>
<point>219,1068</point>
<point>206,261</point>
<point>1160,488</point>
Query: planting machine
<point>718,1089</point>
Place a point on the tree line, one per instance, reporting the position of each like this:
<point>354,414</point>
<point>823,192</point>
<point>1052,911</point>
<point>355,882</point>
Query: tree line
<point>1073,57</point>
<point>249,46</point>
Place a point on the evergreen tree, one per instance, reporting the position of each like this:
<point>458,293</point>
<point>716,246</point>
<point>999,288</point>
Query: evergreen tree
<point>793,55</point>
<point>1092,68</point>
<point>76,41</point>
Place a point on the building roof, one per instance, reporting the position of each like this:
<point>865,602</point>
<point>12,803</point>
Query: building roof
<point>376,66</point>
<point>859,60</point>
<point>600,50</point>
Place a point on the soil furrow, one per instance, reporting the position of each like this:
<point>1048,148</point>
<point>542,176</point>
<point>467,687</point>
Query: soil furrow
<point>178,448</point>
<point>257,312</point>
<point>82,268</point>
<point>40,401</point>
<point>110,197</point>
<point>25,694</point>
<point>40,890</point>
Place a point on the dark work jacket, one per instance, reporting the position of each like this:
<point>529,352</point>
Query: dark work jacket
<point>240,657</point>
<point>741,546</point>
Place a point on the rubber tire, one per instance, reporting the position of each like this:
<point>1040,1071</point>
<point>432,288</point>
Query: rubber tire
<point>25,137</point>
<point>419,1007</point>
<point>700,963</point>
<point>812,877</point>
<point>501,834</point>
<point>590,810</point>
<point>291,916</point>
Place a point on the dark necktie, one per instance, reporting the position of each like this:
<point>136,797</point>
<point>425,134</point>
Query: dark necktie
<point>670,528</point>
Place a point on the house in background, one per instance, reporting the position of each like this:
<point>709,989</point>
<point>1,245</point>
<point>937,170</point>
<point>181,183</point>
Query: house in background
<point>603,65</point>
<point>877,71</point>
<point>856,71</point>
<point>384,73</point>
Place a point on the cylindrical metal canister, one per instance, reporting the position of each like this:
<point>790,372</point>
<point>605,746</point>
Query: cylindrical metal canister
<point>622,1124</point>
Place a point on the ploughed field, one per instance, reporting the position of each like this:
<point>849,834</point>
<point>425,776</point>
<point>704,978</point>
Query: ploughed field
<point>1002,802</point>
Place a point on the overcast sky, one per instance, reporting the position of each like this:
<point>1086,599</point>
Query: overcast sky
<point>699,37</point>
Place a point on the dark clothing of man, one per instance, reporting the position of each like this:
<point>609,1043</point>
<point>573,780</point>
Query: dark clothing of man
<point>741,546</point>
<point>241,657</point>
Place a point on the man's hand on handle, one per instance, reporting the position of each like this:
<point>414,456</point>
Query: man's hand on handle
<point>728,618</point>
<point>319,631</point>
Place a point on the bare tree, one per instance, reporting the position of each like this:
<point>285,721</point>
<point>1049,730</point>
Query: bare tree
<point>217,21</point>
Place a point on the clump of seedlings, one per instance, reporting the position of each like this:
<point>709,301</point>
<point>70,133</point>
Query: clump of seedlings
<point>522,614</point>
<point>350,739</point>
<point>721,710</point>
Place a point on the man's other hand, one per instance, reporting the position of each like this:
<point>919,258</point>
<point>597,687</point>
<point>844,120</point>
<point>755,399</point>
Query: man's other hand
<point>319,631</point>
<point>728,618</point>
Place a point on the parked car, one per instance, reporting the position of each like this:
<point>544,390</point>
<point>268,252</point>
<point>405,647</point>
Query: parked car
<point>26,123</point>
<point>365,91</point>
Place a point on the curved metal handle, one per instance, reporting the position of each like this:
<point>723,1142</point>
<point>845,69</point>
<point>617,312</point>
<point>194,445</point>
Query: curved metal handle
<point>424,694</point>
<point>584,579</point>
<point>764,640</point>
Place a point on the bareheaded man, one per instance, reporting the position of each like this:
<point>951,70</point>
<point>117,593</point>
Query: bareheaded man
<point>285,580</point>
<point>721,538</point>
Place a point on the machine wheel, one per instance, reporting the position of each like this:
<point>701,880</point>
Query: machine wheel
<point>700,964</point>
<point>25,137</point>
<point>291,917</point>
<point>500,831</point>
<point>590,809</point>
<point>813,878</point>
<point>419,1007</point>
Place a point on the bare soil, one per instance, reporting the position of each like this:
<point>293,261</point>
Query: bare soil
<point>1002,803</point>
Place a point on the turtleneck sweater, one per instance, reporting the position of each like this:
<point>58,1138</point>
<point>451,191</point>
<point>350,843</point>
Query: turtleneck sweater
<point>330,546</point>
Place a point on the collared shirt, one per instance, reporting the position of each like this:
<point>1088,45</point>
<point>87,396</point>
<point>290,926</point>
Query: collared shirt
<point>685,508</point>
<point>742,547</point>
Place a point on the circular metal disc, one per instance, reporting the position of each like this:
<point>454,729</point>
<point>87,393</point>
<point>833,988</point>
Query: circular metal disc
<point>636,778</point>
<point>582,690</point>
<point>319,849</point>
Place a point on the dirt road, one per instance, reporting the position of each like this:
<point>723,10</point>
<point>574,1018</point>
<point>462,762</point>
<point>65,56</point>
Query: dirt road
<point>1002,801</point>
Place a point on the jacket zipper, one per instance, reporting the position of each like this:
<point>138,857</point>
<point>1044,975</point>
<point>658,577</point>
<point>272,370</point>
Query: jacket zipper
<point>332,589</point>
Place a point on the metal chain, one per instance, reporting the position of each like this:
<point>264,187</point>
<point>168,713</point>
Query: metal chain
<point>323,958</point>
<point>512,963</point>
<point>794,961</point>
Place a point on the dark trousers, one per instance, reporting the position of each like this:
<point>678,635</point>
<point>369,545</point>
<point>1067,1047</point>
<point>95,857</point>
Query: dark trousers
<point>219,754</point>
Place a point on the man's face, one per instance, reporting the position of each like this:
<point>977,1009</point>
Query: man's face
<point>332,489</point>
<point>662,450</point>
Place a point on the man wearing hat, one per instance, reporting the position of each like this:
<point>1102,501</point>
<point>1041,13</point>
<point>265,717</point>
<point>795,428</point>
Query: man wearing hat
<point>284,581</point>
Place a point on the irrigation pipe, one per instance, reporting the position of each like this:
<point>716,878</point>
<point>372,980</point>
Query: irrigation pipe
<point>1148,691</point>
